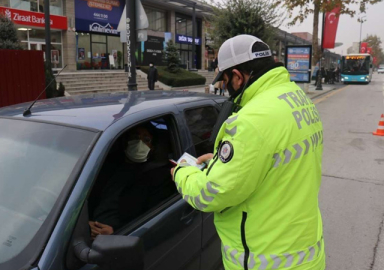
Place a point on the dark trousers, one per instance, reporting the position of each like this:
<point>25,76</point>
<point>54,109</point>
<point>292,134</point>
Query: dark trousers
<point>151,85</point>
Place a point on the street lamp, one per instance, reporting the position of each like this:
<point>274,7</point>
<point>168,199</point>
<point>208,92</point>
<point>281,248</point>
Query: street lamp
<point>361,26</point>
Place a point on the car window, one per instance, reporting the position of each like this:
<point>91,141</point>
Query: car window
<point>200,122</point>
<point>135,176</point>
<point>36,160</point>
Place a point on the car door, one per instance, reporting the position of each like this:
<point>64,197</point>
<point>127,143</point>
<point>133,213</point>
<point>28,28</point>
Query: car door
<point>200,117</point>
<point>171,232</point>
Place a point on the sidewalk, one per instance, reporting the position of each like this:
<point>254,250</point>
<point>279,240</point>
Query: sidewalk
<point>312,93</point>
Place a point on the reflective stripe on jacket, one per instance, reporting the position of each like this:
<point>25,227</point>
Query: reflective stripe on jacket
<point>264,179</point>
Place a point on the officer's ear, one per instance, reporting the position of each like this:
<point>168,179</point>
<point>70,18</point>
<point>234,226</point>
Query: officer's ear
<point>237,78</point>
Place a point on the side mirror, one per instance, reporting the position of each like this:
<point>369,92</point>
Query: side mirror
<point>109,252</point>
<point>115,252</point>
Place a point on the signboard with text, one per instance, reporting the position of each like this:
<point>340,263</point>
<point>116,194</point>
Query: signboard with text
<point>187,39</point>
<point>152,51</point>
<point>298,62</point>
<point>100,16</point>
<point>29,18</point>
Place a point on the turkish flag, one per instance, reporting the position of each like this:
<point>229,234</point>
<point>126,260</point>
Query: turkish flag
<point>374,60</point>
<point>330,28</point>
<point>369,50</point>
<point>363,47</point>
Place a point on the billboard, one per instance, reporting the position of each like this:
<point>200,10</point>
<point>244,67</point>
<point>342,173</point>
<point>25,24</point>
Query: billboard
<point>152,51</point>
<point>100,16</point>
<point>298,62</point>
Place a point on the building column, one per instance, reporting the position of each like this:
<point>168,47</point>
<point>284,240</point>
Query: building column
<point>171,27</point>
<point>69,36</point>
<point>203,59</point>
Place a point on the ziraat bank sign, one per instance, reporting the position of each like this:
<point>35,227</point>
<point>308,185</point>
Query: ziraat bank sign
<point>187,40</point>
<point>100,16</point>
<point>29,18</point>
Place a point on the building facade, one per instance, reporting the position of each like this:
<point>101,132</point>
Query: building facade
<point>85,35</point>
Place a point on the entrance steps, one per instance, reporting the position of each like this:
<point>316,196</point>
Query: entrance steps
<point>77,83</point>
<point>209,75</point>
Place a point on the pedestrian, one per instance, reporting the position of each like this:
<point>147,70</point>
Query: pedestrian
<point>152,76</point>
<point>263,179</point>
<point>217,84</point>
<point>214,64</point>
<point>222,90</point>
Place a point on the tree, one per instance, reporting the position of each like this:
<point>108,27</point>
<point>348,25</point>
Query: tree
<point>8,34</point>
<point>234,17</point>
<point>375,43</point>
<point>314,7</point>
<point>171,57</point>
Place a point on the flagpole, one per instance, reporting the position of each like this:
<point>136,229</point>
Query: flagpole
<point>319,85</point>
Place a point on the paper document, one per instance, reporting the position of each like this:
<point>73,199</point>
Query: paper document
<point>191,160</point>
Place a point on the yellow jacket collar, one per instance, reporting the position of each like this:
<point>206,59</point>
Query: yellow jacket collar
<point>270,79</point>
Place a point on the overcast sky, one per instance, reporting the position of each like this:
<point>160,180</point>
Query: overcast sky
<point>348,30</point>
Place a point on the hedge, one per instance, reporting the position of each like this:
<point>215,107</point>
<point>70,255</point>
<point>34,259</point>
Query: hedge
<point>181,78</point>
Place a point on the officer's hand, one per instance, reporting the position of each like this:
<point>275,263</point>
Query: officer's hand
<point>172,173</point>
<point>204,158</point>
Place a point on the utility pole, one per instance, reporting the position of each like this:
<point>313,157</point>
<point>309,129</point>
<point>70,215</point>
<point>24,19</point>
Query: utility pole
<point>131,44</point>
<point>361,27</point>
<point>194,37</point>
<point>47,33</point>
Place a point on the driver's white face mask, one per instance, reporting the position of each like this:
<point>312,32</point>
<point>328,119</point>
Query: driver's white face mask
<point>137,151</point>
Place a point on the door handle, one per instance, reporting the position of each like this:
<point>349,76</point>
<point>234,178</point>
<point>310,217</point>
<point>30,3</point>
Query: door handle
<point>187,218</point>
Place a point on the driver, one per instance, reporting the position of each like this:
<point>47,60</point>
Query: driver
<point>106,217</point>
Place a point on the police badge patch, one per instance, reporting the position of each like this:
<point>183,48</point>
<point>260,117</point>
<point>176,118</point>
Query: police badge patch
<point>226,152</point>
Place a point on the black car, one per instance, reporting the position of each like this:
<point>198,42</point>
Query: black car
<point>54,164</point>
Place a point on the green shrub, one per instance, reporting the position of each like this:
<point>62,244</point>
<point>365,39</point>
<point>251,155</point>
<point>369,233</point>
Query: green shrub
<point>178,79</point>
<point>171,56</point>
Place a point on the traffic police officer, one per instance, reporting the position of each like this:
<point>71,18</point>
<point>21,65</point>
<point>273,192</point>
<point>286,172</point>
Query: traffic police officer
<point>264,177</point>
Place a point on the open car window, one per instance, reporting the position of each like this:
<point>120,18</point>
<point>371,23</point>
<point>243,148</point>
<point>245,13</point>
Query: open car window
<point>125,190</point>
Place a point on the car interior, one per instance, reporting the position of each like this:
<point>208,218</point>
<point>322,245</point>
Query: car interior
<point>152,186</point>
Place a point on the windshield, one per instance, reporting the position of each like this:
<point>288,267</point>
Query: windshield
<point>36,160</point>
<point>355,65</point>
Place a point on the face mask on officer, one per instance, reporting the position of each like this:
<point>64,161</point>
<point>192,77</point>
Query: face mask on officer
<point>234,82</point>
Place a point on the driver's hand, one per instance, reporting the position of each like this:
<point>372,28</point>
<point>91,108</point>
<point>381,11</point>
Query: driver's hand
<point>98,228</point>
<point>204,158</point>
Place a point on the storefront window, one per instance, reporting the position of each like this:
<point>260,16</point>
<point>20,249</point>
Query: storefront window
<point>93,51</point>
<point>114,45</point>
<point>55,6</point>
<point>84,60</point>
<point>157,19</point>
<point>34,39</point>
<point>184,27</point>
<point>181,26</point>
<point>99,38</point>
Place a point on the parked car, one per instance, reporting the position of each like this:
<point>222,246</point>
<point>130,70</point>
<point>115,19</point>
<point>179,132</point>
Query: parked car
<point>53,161</point>
<point>380,69</point>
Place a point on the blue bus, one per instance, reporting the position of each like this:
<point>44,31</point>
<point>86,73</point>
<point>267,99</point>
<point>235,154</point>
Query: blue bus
<point>356,68</point>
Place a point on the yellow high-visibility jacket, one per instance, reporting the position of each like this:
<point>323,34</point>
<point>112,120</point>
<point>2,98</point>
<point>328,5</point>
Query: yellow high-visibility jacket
<point>264,179</point>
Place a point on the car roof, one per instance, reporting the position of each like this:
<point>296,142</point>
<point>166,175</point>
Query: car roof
<point>98,111</point>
